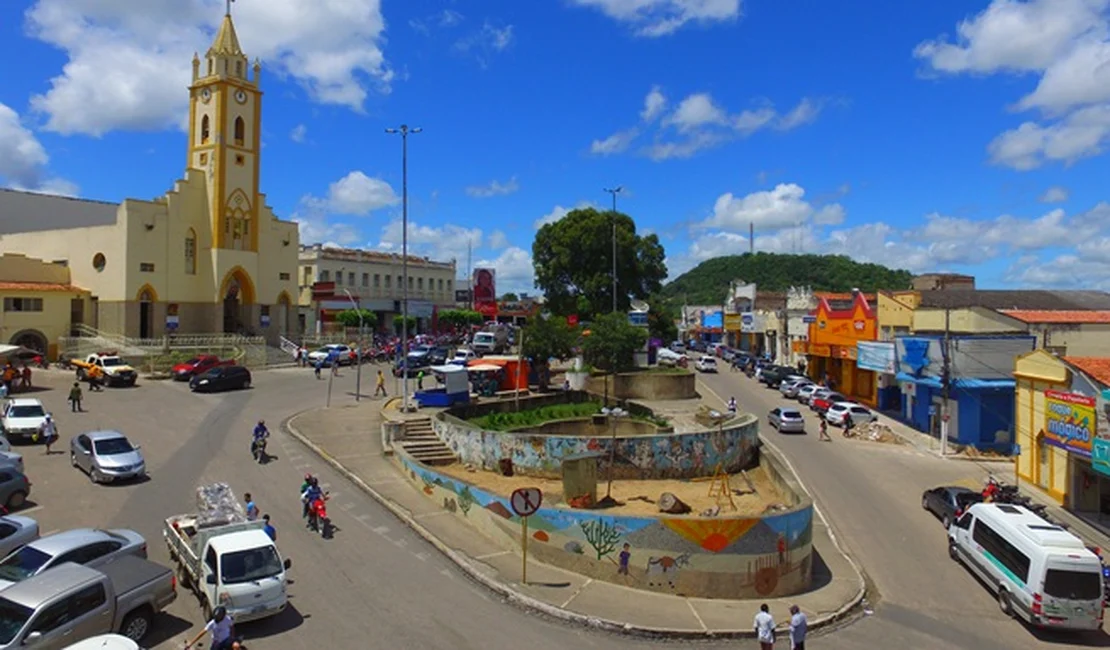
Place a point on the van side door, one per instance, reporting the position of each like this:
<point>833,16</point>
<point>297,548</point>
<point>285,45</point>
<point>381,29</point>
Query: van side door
<point>211,574</point>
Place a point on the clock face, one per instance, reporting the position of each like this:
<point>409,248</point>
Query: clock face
<point>240,96</point>
<point>206,94</point>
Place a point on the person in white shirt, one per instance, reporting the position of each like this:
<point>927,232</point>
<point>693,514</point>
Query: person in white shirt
<point>222,629</point>
<point>765,628</point>
<point>799,625</point>
<point>49,433</point>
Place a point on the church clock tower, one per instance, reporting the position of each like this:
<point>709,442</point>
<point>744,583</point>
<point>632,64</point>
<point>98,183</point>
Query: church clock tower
<point>225,119</point>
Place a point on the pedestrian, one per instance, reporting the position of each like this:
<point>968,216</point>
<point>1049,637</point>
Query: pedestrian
<point>95,375</point>
<point>26,377</point>
<point>269,528</point>
<point>318,367</point>
<point>420,380</point>
<point>49,433</point>
<point>298,359</point>
<point>252,509</point>
<point>765,628</point>
<point>380,388</point>
<point>824,431</point>
<point>304,355</point>
<point>222,629</point>
<point>848,425</point>
<point>732,406</point>
<point>75,397</point>
<point>780,546</point>
<point>799,625</point>
<point>3,390</point>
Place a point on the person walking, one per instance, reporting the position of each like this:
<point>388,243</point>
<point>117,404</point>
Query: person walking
<point>95,376</point>
<point>319,366</point>
<point>824,431</point>
<point>380,387</point>
<point>222,629</point>
<point>420,380</point>
<point>268,528</point>
<point>49,433</point>
<point>765,628</point>
<point>252,509</point>
<point>26,374</point>
<point>799,625</point>
<point>848,425</point>
<point>75,397</point>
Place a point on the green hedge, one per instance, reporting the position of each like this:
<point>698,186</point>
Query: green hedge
<point>544,414</point>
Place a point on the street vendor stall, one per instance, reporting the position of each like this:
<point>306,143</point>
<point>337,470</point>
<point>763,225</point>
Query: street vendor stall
<point>514,371</point>
<point>485,377</point>
<point>453,387</point>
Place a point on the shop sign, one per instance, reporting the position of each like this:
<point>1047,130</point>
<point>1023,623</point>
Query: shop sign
<point>820,350</point>
<point>747,322</point>
<point>1070,421</point>
<point>800,346</point>
<point>809,319</point>
<point>1100,456</point>
<point>875,355</point>
<point>732,322</point>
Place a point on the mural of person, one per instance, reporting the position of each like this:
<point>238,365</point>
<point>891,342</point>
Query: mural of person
<point>781,545</point>
<point>625,557</point>
<point>483,286</point>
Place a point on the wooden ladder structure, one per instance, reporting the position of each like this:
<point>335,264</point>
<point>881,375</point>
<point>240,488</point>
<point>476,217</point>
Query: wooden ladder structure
<point>720,489</point>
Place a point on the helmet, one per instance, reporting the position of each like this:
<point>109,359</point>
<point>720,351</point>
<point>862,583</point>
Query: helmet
<point>308,477</point>
<point>262,423</point>
<point>219,613</point>
<point>314,481</point>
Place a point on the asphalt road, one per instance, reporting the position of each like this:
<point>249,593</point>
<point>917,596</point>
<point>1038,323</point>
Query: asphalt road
<point>377,585</point>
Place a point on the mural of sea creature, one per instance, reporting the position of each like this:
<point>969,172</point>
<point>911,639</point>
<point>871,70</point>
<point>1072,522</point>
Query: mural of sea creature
<point>664,569</point>
<point>429,484</point>
<point>541,536</point>
<point>574,547</point>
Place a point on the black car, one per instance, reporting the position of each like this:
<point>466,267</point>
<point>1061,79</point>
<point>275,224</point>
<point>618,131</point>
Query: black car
<point>221,379</point>
<point>949,502</point>
<point>773,375</point>
<point>439,356</point>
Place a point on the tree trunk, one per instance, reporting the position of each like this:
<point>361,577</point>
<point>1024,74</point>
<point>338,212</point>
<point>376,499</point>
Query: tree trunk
<point>672,505</point>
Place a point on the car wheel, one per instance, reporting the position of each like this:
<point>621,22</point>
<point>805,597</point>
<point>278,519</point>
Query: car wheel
<point>136,625</point>
<point>925,502</point>
<point>246,384</point>
<point>946,521</point>
<point>16,500</point>
<point>953,552</point>
<point>93,476</point>
<point>1004,602</point>
<point>73,459</point>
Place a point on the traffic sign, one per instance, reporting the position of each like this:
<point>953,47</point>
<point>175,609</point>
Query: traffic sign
<point>526,501</point>
<point>809,319</point>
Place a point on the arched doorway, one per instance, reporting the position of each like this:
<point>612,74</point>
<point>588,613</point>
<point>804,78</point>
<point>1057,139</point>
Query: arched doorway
<point>284,309</point>
<point>236,295</point>
<point>146,312</point>
<point>30,339</point>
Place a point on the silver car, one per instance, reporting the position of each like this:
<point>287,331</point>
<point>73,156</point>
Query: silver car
<point>91,547</point>
<point>787,420</point>
<point>789,386</point>
<point>106,456</point>
<point>16,531</point>
<point>805,392</point>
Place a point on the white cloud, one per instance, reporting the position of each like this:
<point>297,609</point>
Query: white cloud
<point>696,111</point>
<point>1066,43</point>
<point>298,133</point>
<point>653,18</point>
<point>558,212</point>
<point>654,104</point>
<point>358,194</point>
<point>440,243</point>
<point>784,206</point>
<point>806,112</point>
<point>23,159</point>
<point>498,240</point>
<point>128,69</point>
<point>493,188</point>
<point>514,271</point>
<point>1055,194</point>
<point>614,144</point>
<point>486,42</point>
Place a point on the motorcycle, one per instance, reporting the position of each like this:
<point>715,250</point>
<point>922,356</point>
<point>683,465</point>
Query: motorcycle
<point>258,450</point>
<point>998,492</point>
<point>318,519</point>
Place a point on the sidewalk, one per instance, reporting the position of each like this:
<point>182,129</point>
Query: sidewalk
<point>348,438</point>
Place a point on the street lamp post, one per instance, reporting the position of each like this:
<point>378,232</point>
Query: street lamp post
<point>404,130</point>
<point>613,414</point>
<point>614,191</point>
<point>361,333</point>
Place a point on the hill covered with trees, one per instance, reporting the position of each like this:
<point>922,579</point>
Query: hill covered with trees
<point>707,282</point>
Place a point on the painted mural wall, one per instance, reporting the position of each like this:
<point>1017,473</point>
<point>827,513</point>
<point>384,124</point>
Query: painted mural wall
<point>705,557</point>
<point>670,455</point>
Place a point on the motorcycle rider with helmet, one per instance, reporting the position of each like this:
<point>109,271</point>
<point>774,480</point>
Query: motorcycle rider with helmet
<point>309,497</point>
<point>258,440</point>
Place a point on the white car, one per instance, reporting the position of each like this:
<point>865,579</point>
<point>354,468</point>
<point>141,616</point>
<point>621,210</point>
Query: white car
<point>463,357</point>
<point>105,642</point>
<point>706,364</point>
<point>839,411</point>
<point>22,418</point>
<point>16,531</point>
<point>667,357</point>
<point>330,350</point>
<point>789,386</point>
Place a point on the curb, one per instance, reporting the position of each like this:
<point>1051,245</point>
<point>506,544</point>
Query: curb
<point>526,602</point>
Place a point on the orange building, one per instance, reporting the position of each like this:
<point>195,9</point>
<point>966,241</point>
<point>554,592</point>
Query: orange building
<point>831,348</point>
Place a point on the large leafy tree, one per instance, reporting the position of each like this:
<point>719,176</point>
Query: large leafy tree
<point>349,318</point>
<point>546,339</point>
<point>612,342</point>
<point>573,260</point>
<point>399,324</point>
<point>460,318</point>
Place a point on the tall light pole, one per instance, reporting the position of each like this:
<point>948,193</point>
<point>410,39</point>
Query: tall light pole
<point>361,333</point>
<point>614,191</point>
<point>404,131</point>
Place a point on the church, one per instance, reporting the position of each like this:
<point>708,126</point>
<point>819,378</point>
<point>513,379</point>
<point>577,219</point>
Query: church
<point>207,257</point>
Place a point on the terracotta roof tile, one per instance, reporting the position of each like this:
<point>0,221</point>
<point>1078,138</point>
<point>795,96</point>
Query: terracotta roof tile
<point>1097,368</point>
<point>1057,316</point>
<point>38,286</point>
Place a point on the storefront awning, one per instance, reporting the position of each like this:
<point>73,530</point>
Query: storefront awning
<point>968,383</point>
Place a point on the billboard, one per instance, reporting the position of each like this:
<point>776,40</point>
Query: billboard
<point>485,291</point>
<point>1070,421</point>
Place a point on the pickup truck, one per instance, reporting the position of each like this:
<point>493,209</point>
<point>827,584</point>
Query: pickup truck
<point>228,560</point>
<point>198,366</point>
<point>116,372</point>
<point>71,602</point>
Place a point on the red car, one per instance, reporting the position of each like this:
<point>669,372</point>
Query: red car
<point>821,401</point>
<point>198,365</point>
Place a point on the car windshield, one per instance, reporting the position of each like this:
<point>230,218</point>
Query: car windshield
<point>965,499</point>
<point>192,362</point>
<point>112,446</point>
<point>213,373</point>
<point>1073,585</point>
<point>28,411</point>
<point>791,415</point>
<point>12,619</point>
<point>23,564</point>
<point>111,361</point>
<point>248,566</point>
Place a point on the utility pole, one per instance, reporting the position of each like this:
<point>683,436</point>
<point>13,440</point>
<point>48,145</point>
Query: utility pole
<point>469,275</point>
<point>751,237</point>
<point>404,132</point>
<point>946,382</point>
<point>614,191</point>
<point>361,333</point>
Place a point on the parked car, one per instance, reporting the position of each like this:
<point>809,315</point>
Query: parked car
<point>106,456</point>
<point>91,547</point>
<point>15,487</point>
<point>221,379</point>
<point>198,365</point>
<point>786,420</point>
<point>416,362</point>
<point>949,502</point>
<point>339,352</point>
<point>22,418</point>
<point>74,602</point>
<point>706,364</point>
<point>463,357</point>
<point>823,399</point>
<point>16,531</point>
<point>105,642</point>
<point>438,356</point>
<point>679,347</point>
<point>805,392</point>
<point>789,386</point>
<point>838,413</point>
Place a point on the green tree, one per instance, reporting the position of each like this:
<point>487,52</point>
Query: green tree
<point>510,297</point>
<point>349,318</point>
<point>661,319</point>
<point>612,342</point>
<point>573,260</point>
<point>398,323</point>
<point>460,318</point>
<point>546,339</point>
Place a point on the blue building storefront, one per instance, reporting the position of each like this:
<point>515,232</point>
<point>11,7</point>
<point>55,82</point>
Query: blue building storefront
<point>981,386</point>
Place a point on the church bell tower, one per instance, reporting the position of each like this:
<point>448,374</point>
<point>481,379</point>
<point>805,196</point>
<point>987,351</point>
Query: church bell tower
<point>225,137</point>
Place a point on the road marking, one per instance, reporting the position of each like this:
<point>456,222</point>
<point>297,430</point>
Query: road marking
<point>303,465</point>
<point>492,555</point>
<point>399,543</point>
<point>347,506</point>
<point>422,556</point>
<point>431,514</point>
<point>381,530</point>
<point>695,613</point>
<point>24,511</point>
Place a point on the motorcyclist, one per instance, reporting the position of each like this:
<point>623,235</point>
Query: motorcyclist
<point>258,438</point>
<point>732,405</point>
<point>307,483</point>
<point>309,496</point>
<point>991,490</point>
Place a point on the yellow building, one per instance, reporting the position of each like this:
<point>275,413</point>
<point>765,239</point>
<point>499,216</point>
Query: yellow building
<point>41,305</point>
<point>209,255</point>
<point>894,311</point>
<point>1060,425</point>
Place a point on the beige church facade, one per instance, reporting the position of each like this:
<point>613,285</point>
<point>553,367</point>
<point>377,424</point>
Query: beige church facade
<point>207,257</point>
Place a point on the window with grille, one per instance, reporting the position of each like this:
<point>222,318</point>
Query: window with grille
<point>283,276</point>
<point>190,253</point>
<point>146,267</point>
<point>22,304</point>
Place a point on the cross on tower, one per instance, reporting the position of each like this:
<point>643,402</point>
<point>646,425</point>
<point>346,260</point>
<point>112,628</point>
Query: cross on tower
<point>229,6</point>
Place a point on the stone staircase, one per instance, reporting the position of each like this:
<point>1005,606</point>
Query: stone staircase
<point>421,443</point>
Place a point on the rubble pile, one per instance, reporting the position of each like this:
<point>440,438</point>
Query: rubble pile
<point>217,505</point>
<point>874,432</point>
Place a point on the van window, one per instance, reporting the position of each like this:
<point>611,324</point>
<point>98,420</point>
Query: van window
<point>1006,554</point>
<point>88,600</point>
<point>51,618</point>
<point>965,521</point>
<point>1072,585</point>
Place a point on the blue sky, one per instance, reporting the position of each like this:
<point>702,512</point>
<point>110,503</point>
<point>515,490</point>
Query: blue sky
<point>949,135</point>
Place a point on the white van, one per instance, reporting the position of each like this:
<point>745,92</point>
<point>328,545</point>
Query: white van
<point>1040,571</point>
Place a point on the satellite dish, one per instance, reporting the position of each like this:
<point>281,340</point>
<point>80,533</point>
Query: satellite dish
<point>640,305</point>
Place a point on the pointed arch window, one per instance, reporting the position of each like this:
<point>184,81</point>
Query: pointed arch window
<point>240,131</point>
<point>204,129</point>
<point>191,252</point>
